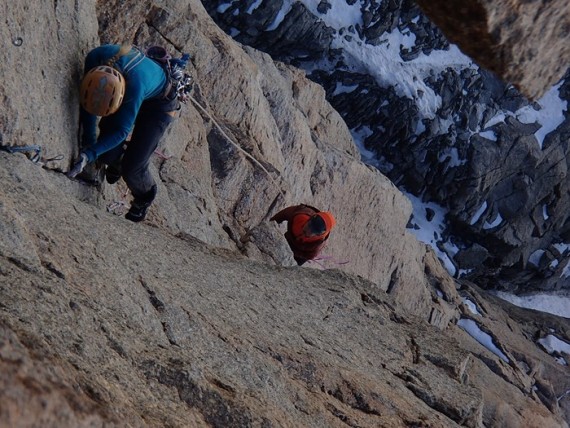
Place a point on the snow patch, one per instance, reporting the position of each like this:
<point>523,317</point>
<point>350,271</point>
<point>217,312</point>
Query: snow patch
<point>480,336</point>
<point>430,231</point>
<point>285,9</point>
<point>471,306</point>
<point>359,136</point>
<point>553,344</point>
<point>253,6</point>
<point>552,304</point>
<point>489,135</point>
<point>478,214</point>
<point>535,257</point>
<point>545,212</point>
<point>549,116</point>
<point>223,7</point>
<point>451,154</point>
<point>497,221</point>
<point>343,89</point>
<point>340,15</point>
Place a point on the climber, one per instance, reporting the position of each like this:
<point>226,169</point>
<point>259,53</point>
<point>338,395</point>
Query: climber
<point>130,92</point>
<point>307,230</point>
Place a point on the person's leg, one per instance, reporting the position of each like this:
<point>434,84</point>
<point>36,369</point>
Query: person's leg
<point>140,205</point>
<point>151,123</point>
<point>112,159</point>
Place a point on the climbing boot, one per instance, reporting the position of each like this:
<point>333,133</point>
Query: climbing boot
<point>140,206</point>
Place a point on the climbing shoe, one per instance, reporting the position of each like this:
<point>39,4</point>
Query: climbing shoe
<point>138,211</point>
<point>140,205</point>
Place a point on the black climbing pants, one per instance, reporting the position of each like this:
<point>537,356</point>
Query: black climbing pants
<point>152,121</point>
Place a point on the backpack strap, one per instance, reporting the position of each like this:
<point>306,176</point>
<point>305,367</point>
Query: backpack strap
<point>134,61</point>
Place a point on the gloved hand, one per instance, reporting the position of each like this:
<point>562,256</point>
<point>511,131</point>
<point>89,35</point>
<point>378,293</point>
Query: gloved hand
<point>79,166</point>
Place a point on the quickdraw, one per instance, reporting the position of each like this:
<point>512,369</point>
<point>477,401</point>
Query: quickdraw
<point>35,150</point>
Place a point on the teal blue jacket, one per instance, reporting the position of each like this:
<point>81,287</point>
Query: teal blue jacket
<point>144,79</point>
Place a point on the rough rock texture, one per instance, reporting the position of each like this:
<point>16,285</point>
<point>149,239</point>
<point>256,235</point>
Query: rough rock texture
<point>196,317</point>
<point>62,32</point>
<point>281,119</point>
<point>475,151</point>
<point>108,323</point>
<point>524,42</point>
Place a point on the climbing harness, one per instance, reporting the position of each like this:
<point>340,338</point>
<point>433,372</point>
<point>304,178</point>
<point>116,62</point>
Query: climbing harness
<point>179,83</point>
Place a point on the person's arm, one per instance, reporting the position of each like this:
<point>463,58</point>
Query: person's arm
<point>88,128</point>
<point>123,119</point>
<point>284,214</point>
<point>88,121</point>
<point>107,142</point>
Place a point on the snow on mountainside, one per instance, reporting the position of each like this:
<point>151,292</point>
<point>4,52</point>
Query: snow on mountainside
<point>459,141</point>
<point>382,60</point>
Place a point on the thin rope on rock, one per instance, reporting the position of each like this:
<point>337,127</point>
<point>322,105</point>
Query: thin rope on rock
<point>320,259</point>
<point>161,155</point>
<point>197,104</point>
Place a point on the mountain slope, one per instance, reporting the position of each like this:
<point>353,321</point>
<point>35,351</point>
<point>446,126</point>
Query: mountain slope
<point>107,322</point>
<point>452,134</point>
<point>196,317</point>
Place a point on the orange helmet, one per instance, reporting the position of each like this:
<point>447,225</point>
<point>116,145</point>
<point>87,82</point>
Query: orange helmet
<point>328,218</point>
<point>317,226</point>
<point>102,90</point>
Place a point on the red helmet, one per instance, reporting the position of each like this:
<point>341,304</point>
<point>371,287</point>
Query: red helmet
<point>102,90</point>
<point>318,226</point>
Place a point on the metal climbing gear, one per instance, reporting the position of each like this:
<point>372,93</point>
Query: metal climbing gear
<point>34,152</point>
<point>179,84</point>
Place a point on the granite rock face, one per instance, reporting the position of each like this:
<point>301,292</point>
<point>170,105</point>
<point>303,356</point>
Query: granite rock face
<point>501,177</point>
<point>108,323</point>
<point>197,317</point>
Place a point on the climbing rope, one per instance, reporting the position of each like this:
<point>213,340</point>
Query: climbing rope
<point>323,259</point>
<point>161,155</point>
<point>197,104</point>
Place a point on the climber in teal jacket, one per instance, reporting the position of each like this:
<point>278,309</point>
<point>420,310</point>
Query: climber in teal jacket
<point>131,93</point>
